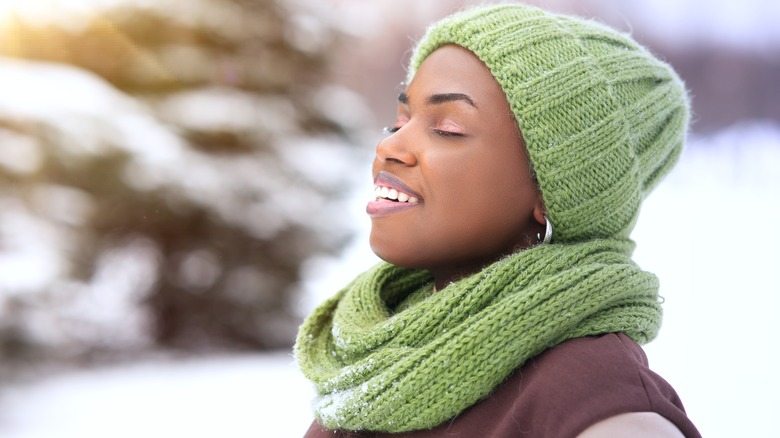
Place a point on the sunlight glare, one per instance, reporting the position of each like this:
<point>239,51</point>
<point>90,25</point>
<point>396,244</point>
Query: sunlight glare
<point>48,10</point>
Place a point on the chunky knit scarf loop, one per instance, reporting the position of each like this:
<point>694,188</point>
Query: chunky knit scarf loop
<point>388,354</point>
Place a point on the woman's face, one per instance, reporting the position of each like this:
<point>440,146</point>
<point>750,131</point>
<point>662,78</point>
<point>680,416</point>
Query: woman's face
<point>458,169</point>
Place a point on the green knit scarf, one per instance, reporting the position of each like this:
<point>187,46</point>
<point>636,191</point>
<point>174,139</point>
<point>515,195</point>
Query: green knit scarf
<point>388,354</point>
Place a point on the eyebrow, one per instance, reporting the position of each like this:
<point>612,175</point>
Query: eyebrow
<point>437,99</point>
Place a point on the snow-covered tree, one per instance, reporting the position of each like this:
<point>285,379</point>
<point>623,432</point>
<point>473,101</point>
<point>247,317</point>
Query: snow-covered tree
<point>165,170</point>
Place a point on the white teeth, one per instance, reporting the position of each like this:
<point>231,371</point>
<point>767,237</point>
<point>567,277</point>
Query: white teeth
<point>388,193</point>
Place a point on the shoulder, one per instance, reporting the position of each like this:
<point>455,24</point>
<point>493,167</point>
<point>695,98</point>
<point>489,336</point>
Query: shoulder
<point>584,381</point>
<point>607,369</point>
<point>594,352</point>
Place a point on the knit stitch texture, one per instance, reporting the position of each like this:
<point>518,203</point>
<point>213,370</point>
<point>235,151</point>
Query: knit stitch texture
<point>380,370</point>
<point>602,119</point>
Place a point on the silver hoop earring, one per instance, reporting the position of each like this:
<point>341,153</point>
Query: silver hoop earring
<point>547,232</point>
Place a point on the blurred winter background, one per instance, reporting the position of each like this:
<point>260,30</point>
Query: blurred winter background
<point>181,181</point>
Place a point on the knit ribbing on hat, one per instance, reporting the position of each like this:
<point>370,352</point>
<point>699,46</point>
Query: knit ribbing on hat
<point>603,119</point>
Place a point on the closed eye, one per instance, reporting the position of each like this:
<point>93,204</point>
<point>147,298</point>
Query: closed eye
<point>443,133</point>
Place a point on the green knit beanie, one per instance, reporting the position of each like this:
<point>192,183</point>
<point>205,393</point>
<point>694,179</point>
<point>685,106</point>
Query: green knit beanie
<point>603,120</point>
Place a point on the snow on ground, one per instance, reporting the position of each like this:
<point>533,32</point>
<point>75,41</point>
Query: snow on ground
<point>710,232</point>
<point>245,396</point>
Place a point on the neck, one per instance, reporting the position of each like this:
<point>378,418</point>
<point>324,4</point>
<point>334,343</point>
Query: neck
<point>444,277</point>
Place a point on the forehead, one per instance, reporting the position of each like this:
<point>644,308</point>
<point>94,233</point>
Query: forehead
<point>453,69</point>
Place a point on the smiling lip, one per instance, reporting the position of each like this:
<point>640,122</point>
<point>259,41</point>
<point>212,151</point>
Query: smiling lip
<point>384,207</point>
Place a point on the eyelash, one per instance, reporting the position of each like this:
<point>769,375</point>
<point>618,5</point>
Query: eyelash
<point>442,133</point>
<point>388,130</point>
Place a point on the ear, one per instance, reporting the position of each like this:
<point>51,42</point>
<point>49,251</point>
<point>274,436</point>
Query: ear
<point>540,211</point>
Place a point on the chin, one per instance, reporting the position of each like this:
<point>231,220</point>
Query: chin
<point>387,256</point>
<point>396,256</point>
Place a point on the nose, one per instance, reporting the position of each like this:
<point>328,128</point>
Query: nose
<point>394,149</point>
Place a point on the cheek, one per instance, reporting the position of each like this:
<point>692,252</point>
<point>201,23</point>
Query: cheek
<point>493,197</point>
<point>484,185</point>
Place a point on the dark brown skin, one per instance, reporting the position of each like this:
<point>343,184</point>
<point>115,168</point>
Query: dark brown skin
<point>456,144</point>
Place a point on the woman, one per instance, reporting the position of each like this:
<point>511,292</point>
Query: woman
<point>508,304</point>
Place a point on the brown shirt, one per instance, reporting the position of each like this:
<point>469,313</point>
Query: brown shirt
<point>559,394</point>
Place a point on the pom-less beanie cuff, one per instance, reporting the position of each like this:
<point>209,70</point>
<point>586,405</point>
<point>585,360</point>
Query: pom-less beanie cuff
<point>603,120</point>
